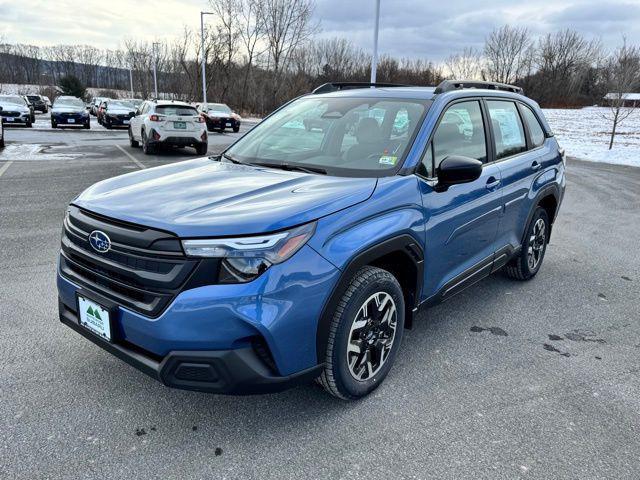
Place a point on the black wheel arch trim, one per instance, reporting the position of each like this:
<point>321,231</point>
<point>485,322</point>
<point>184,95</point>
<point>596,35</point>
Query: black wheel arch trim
<point>547,190</point>
<point>405,244</point>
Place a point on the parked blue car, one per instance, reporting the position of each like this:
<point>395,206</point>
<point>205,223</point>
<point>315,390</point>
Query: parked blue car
<point>304,253</point>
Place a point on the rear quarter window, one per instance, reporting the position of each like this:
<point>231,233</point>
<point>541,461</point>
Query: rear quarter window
<point>535,130</point>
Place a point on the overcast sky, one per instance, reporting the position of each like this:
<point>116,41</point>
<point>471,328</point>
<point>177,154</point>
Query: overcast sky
<point>412,28</point>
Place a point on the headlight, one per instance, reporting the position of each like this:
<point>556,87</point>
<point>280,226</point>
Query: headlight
<point>245,258</point>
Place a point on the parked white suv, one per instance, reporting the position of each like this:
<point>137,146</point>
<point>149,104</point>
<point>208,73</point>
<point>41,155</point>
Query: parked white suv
<point>168,123</point>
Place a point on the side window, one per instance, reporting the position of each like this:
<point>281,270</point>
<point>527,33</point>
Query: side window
<point>461,132</point>
<point>508,131</point>
<point>537,134</point>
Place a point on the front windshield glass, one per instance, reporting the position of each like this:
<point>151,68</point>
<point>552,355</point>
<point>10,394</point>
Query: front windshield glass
<point>17,99</point>
<point>219,107</point>
<point>120,104</point>
<point>344,136</point>
<point>68,102</point>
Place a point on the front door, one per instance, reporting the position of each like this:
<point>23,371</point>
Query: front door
<point>461,222</point>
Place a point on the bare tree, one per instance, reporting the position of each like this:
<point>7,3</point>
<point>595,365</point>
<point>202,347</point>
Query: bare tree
<point>287,25</point>
<point>466,65</point>
<point>622,72</point>
<point>505,51</point>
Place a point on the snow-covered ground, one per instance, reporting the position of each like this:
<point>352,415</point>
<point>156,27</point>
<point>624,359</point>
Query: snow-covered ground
<point>584,134</point>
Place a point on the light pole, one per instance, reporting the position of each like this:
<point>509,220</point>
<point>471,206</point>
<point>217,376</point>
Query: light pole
<point>155,63</point>
<point>131,78</point>
<point>204,58</point>
<point>374,60</point>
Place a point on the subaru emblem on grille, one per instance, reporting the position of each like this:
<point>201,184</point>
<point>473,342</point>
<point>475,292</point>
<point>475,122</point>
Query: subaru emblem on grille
<point>100,241</point>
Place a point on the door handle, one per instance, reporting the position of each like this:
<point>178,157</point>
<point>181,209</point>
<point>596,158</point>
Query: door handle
<point>535,166</point>
<point>492,183</point>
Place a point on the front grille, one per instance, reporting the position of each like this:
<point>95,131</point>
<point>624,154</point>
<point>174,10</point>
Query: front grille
<point>144,270</point>
<point>124,117</point>
<point>7,113</point>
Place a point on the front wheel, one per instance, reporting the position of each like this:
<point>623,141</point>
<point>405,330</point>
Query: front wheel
<point>236,129</point>
<point>364,335</point>
<point>528,262</point>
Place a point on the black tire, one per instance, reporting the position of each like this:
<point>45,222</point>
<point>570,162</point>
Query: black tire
<point>86,126</point>
<point>1,136</point>
<point>337,377</point>
<point>54,125</point>
<point>147,148</point>
<point>522,267</point>
<point>134,143</point>
<point>201,148</point>
<point>236,129</point>
<point>107,124</point>
<point>29,124</point>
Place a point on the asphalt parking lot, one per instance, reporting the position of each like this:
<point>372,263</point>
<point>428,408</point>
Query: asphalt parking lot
<point>507,380</point>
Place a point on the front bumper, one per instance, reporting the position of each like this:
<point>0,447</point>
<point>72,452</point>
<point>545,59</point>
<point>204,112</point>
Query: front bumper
<point>236,338</point>
<point>235,371</point>
<point>222,123</point>
<point>76,119</point>
<point>23,118</point>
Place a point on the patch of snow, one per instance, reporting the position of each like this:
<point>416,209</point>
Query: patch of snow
<point>584,134</point>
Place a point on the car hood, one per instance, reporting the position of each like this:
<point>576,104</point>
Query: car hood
<point>68,110</point>
<point>119,111</point>
<point>13,107</point>
<point>207,198</point>
<point>213,114</point>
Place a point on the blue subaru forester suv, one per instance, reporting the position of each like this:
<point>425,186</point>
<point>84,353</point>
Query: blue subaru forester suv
<point>307,247</point>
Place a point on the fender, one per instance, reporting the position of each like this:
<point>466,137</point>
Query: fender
<point>553,189</point>
<point>404,243</point>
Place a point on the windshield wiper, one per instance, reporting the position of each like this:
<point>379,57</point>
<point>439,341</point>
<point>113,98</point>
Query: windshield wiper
<point>231,159</point>
<point>289,167</point>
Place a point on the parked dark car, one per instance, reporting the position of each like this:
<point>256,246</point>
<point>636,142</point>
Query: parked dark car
<point>1,133</point>
<point>219,116</point>
<point>15,110</point>
<point>116,113</point>
<point>38,102</point>
<point>69,111</point>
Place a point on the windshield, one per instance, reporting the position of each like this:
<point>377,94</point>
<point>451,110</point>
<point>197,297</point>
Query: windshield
<point>68,102</point>
<point>34,98</point>
<point>176,110</point>
<point>17,99</point>
<point>344,136</point>
<point>218,107</point>
<point>120,104</point>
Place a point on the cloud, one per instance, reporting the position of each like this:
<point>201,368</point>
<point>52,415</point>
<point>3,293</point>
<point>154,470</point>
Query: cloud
<point>408,28</point>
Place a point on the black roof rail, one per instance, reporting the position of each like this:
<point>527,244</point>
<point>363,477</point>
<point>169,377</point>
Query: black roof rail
<point>336,86</point>
<point>449,85</point>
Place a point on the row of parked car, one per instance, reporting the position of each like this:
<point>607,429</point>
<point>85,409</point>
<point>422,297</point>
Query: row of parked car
<point>22,108</point>
<point>151,123</point>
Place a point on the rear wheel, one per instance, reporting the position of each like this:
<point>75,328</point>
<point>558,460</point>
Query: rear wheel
<point>54,125</point>
<point>132,141</point>
<point>528,262</point>
<point>147,148</point>
<point>365,334</point>
<point>201,148</point>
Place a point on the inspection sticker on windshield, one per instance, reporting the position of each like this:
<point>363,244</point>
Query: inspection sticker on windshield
<point>388,160</point>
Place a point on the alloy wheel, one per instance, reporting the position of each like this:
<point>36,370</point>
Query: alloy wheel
<point>371,336</point>
<point>537,242</point>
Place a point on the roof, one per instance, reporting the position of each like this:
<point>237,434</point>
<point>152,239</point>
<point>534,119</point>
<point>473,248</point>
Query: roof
<point>172,102</point>
<point>625,96</point>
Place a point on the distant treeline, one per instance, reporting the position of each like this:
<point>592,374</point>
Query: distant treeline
<point>260,53</point>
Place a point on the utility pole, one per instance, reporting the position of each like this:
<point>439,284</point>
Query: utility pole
<point>204,57</point>
<point>155,66</point>
<point>374,59</point>
<point>131,79</point>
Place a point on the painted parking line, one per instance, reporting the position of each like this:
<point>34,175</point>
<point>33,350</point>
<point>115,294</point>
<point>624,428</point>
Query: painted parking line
<point>131,157</point>
<point>4,167</point>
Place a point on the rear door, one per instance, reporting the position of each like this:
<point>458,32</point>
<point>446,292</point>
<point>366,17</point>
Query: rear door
<point>461,222</point>
<point>519,157</point>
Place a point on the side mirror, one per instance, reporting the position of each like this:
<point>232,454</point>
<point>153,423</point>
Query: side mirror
<point>457,169</point>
